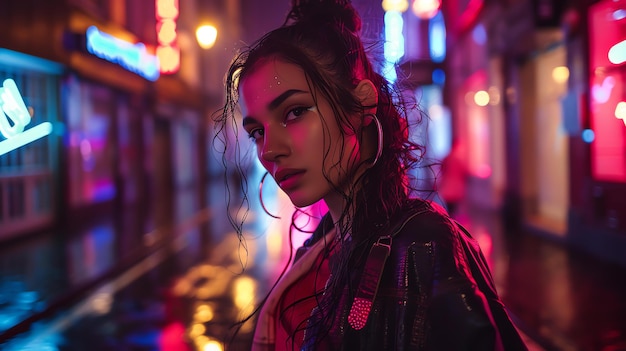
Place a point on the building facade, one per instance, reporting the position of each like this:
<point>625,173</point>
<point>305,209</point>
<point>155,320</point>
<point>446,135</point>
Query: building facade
<point>124,134</point>
<point>547,143</point>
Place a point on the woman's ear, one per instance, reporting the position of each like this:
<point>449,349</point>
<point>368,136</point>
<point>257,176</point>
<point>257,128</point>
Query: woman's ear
<point>368,95</point>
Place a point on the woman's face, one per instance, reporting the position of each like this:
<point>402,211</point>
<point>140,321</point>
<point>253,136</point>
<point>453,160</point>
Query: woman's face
<point>297,140</point>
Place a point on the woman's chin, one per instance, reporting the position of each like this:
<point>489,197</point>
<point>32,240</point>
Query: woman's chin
<point>300,201</point>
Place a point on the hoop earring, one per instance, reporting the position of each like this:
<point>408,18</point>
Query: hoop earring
<point>379,127</point>
<point>261,197</point>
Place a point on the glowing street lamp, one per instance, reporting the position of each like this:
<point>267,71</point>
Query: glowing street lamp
<point>206,36</point>
<point>395,5</point>
<point>426,9</point>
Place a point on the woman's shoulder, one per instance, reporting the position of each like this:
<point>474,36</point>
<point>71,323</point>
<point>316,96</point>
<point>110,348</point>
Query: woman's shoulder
<point>424,221</point>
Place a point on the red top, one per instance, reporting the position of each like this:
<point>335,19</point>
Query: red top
<point>296,304</point>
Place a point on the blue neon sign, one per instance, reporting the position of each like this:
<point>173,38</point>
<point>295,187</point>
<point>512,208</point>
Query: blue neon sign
<point>13,108</point>
<point>132,57</point>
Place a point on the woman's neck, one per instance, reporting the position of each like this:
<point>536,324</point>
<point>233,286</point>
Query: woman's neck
<point>342,217</point>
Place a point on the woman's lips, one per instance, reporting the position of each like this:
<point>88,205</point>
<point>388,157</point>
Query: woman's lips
<point>289,179</point>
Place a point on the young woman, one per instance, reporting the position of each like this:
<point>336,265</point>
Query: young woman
<point>383,270</point>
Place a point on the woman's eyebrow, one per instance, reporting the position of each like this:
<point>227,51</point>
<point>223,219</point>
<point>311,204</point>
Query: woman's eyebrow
<point>282,97</point>
<point>274,104</point>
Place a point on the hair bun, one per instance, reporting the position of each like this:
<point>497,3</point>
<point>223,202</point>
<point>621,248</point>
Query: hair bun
<point>321,12</point>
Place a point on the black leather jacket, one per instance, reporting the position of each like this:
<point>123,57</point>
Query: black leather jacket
<point>435,293</point>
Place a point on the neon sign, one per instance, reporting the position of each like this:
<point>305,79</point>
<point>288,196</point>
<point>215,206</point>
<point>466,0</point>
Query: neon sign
<point>14,109</point>
<point>132,57</point>
<point>168,51</point>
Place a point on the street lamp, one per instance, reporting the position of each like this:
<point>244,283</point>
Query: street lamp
<point>206,36</point>
<point>426,9</point>
<point>395,5</point>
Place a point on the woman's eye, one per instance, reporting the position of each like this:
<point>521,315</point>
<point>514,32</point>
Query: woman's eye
<point>297,112</point>
<point>255,134</point>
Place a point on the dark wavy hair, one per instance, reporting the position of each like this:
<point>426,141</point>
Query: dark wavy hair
<point>323,38</point>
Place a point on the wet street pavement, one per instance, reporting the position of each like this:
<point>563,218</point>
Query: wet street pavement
<point>116,286</point>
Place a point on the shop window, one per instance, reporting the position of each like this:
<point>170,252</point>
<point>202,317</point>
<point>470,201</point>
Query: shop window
<point>2,202</point>
<point>91,143</point>
<point>17,206</point>
<point>42,195</point>
<point>474,124</point>
<point>26,172</point>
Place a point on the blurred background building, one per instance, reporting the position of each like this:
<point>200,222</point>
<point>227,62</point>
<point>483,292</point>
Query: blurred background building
<point>535,88</point>
<point>120,93</point>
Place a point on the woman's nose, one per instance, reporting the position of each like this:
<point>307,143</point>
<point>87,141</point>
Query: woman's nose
<point>275,145</point>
